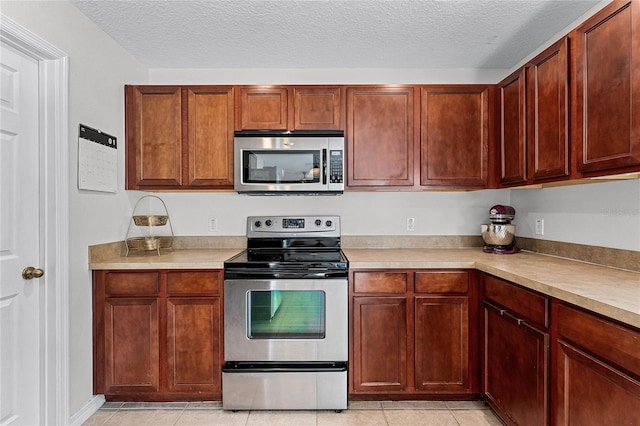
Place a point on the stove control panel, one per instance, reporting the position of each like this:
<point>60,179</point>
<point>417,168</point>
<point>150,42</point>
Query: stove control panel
<point>259,225</point>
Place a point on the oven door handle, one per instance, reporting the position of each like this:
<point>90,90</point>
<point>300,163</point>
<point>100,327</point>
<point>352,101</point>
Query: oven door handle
<point>285,367</point>
<point>270,274</point>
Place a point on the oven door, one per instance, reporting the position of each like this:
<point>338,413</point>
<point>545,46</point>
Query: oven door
<point>286,320</point>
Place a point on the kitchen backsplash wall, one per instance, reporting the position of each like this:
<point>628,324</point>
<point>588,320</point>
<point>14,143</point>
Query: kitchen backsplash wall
<point>362,213</point>
<point>601,214</point>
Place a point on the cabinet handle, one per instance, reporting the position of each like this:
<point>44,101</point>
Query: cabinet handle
<point>502,312</point>
<point>520,321</point>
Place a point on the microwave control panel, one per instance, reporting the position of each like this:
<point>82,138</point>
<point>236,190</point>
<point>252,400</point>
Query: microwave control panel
<point>336,165</point>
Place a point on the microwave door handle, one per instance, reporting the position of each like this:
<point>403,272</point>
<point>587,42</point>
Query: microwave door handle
<point>324,166</point>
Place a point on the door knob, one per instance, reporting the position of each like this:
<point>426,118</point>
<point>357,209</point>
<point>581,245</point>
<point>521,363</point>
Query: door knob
<point>30,273</point>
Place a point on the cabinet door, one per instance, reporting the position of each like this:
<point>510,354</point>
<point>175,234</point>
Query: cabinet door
<point>380,136</point>
<point>210,136</point>
<point>263,108</point>
<point>547,81</point>
<point>606,49</point>
<point>455,136</point>
<point>193,345</point>
<point>153,133</point>
<point>515,368</point>
<point>598,361</point>
<point>131,343</point>
<point>593,392</point>
<point>379,339</point>
<point>513,154</point>
<point>442,343</point>
<point>317,108</point>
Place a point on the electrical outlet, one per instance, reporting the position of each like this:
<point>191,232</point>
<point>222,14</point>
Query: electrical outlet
<point>213,224</point>
<point>539,230</point>
<point>411,224</point>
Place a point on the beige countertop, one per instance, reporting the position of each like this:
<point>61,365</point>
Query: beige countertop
<point>611,292</point>
<point>176,259</point>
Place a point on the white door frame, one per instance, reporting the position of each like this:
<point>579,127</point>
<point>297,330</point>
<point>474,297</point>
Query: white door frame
<point>54,183</point>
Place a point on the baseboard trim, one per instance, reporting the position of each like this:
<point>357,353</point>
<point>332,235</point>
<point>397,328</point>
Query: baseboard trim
<point>87,410</point>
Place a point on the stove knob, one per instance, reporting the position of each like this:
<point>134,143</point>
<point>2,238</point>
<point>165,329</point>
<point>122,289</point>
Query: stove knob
<point>268,222</point>
<point>328,223</point>
<point>257,224</point>
<point>318,222</point>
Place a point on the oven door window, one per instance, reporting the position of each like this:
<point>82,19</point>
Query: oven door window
<point>286,314</point>
<point>280,166</point>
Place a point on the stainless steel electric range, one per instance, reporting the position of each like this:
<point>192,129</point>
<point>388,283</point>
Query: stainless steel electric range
<point>286,317</point>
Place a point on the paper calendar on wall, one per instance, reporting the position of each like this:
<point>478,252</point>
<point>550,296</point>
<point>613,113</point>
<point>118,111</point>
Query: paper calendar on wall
<point>97,160</point>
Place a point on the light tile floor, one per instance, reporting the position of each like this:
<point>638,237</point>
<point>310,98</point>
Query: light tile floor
<point>369,413</point>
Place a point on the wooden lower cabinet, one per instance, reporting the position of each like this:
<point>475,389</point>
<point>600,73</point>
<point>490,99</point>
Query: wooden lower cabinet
<point>515,368</point>
<point>515,352</point>
<point>442,343</point>
<point>598,370</point>
<point>193,344</point>
<point>157,335</point>
<point>132,345</point>
<point>379,360</point>
<point>410,334</point>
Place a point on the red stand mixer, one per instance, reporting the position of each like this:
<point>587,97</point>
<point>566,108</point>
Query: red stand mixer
<point>500,235</point>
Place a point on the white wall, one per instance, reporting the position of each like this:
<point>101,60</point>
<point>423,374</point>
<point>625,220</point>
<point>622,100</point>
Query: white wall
<point>98,70</point>
<point>601,214</point>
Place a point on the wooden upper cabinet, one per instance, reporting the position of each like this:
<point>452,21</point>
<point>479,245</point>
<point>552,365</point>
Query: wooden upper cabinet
<point>317,108</point>
<point>455,123</point>
<point>290,108</point>
<point>263,108</point>
<point>179,137</point>
<point>513,153</point>
<point>381,136</point>
<point>547,82</point>
<point>210,136</point>
<point>153,133</point>
<point>606,107</point>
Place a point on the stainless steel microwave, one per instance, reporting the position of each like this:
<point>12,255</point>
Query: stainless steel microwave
<point>301,162</point>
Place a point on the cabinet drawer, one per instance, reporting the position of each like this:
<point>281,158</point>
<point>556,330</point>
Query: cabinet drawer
<point>442,282</point>
<point>612,341</point>
<point>380,282</point>
<point>519,301</point>
<point>123,283</point>
<point>193,282</point>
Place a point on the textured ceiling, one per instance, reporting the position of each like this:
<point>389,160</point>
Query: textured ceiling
<point>333,33</point>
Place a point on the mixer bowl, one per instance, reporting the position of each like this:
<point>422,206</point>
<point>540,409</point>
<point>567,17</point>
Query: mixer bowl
<point>496,234</point>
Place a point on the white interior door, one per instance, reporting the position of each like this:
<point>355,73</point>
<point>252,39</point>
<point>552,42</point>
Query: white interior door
<point>20,223</point>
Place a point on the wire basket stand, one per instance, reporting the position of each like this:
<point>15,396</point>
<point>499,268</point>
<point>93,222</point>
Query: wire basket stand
<point>151,242</point>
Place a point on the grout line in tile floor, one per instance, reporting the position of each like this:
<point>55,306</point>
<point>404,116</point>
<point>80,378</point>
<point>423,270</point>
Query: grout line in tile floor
<point>370,413</point>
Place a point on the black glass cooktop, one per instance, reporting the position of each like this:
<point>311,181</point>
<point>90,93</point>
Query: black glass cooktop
<point>322,263</point>
<point>287,258</point>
